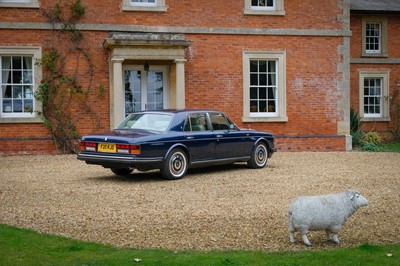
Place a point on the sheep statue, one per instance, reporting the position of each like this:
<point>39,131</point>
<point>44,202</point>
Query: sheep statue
<point>324,212</point>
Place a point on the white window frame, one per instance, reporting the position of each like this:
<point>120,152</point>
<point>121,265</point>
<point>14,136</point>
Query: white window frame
<point>20,3</point>
<point>383,51</point>
<point>276,10</point>
<point>158,6</point>
<point>385,114</point>
<point>280,113</point>
<point>36,54</point>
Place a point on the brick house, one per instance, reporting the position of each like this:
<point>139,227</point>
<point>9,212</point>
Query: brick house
<point>275,65</point>
<point>375,64</point>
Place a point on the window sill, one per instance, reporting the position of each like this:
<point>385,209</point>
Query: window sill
<point>22,120</point>
<point>264,119</point>
<point>264,12</point>
<point>20,5</point>
<point>145,8</point>
<point>375,119</point>
<point>384,54</point>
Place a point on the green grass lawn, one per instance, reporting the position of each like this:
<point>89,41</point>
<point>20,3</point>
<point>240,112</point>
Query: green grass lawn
<point>25,247</point>
<point>391,147</point>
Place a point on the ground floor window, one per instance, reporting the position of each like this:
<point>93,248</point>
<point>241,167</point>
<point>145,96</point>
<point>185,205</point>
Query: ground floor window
<point>374,92</point>
<point>18,79</point>
<point>264,84</point>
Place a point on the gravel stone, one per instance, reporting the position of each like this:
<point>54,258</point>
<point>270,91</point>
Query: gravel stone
<point>225,207</point>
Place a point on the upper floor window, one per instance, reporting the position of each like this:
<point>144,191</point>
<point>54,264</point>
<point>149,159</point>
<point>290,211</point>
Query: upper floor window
<point>144,5</point>
<point>263,4</point>
<point>143,2</point>
<point>18,79</point>
<point>264,7</point>
<point>20,3</point>
<point>374,37</point>
<point>264,83</point>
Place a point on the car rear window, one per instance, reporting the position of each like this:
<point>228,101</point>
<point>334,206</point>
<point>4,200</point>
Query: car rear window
<point>147,121</point>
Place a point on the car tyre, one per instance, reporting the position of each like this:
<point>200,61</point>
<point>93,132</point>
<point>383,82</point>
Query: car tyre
<point>175,165</point>
<point>121,171</point>
<point>259,156</point>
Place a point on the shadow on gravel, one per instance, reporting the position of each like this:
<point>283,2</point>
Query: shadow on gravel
<point>155,175</point>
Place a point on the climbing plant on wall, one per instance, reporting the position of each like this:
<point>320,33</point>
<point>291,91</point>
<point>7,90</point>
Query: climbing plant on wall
<point>67,76</point>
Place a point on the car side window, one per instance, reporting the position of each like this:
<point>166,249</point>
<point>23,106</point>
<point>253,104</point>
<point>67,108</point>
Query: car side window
<point>220,122</point>
<point>196,122</point>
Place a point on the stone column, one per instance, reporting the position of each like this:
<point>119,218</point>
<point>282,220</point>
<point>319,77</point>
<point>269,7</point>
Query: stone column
<point>180,83</point>
<point>117,94</point>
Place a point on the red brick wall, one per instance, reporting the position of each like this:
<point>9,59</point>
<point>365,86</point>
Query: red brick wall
<point>214,77</point>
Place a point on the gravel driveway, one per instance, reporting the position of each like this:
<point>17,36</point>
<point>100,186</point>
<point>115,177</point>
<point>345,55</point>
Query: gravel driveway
<point>228,207</point>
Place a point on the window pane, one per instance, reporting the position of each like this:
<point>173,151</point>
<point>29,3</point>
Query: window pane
<point>132,91</point>
<point>253,106</point>
<point>17,92</point>
<point>271,106</point>
<point>271,79</point>
<point>263,93</point>
<point>16,62</point>
<point>27,61</point>
<point>17,106</point>
<point>28,106</point>
<point>7,91</point>
<point>154,90</point>
<point>262,66</point>
<point>5,63</point>
<point>253,66</point>
<point>263,106</point>
<point>263,79</point>
<point>254,79</point>
<point>271,66</point>
<point>253,93</point>
<point>27,77</point>
<point>28,92</point>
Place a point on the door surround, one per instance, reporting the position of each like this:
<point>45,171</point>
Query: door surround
<point>128,47</point>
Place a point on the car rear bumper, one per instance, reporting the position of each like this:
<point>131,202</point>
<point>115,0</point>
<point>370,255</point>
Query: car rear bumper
<point>116,161</point>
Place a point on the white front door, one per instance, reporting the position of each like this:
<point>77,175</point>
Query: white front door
<point>146,90</point>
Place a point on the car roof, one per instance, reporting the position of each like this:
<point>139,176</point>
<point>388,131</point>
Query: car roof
<point>176,111</point>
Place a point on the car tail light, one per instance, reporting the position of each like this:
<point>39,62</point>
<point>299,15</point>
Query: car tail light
<point>128,148</point>
<point>87,146</point>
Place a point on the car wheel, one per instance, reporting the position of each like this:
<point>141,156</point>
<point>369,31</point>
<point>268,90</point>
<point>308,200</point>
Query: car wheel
<point>121,171</point>
<point>259,156</point>
<point>175,165</point>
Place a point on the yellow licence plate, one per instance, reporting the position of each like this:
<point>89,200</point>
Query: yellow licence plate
<point>107,147</point>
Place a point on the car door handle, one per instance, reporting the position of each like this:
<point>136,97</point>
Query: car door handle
<point>219,136</point>
<point>189,137</point>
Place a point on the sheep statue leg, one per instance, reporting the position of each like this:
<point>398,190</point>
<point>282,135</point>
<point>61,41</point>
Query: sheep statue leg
<point>291,233</point>
<point>303,233</point>
<point>305,240</point>
<point>336,239</point>
<point>328,234</point>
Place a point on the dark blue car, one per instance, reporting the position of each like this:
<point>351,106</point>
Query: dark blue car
<point>174,141</point>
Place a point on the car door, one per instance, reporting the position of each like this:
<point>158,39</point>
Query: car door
<point>199,137</point>
<point>230,141</point>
